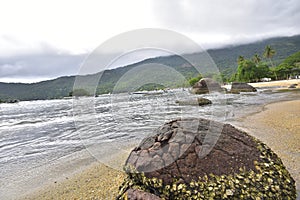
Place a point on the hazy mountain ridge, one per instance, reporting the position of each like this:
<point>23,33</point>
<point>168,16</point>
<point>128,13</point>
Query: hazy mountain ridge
<point>224,58</point>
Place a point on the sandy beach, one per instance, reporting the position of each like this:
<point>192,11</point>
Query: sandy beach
<point>277,125</point>
<point>278,84</point>
<point>96,182</point>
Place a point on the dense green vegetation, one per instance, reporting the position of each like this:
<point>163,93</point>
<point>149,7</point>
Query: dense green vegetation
<point>194,80</point>
<point>255,69</point>
<point>250,70</point>
<point>269,53</point>
<point>289,67</point>
<point>224,58</point>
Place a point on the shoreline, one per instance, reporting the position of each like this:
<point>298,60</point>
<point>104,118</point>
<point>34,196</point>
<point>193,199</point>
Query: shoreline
<point>277,125</point>
<point>98,181</point>
<point>283,84</point>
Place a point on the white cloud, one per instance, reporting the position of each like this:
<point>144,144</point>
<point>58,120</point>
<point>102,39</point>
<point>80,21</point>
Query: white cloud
<point>211,22</point>
<point>48,35</point>
<point>75,26</point>
<point>39,66</point>
<point>80,26</point>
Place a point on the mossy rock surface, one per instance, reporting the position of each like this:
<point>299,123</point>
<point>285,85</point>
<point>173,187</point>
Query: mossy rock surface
<point>202,159</point>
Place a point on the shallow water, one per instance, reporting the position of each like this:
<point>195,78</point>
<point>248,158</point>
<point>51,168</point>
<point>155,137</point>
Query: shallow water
<point>40,140</point>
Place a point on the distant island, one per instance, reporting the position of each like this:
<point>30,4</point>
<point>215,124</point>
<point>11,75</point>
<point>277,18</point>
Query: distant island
<point>275,59</point>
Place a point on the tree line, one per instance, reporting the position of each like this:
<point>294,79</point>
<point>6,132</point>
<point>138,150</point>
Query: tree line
<point>261,66</point>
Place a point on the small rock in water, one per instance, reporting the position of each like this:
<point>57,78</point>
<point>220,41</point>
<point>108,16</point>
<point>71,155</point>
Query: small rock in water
<point>241,87</point>
<point>195,102</point>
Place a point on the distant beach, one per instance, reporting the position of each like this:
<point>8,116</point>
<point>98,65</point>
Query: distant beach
<point>277,84</point>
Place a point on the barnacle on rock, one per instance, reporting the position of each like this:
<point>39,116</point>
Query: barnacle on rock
<point>267,179</point>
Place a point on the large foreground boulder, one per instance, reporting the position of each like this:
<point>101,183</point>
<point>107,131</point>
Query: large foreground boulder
<point>206,85</point>
<point>241,87</point>
<point>202,159</point>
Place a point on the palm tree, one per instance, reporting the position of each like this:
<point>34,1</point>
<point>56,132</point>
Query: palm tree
<point>269,53</point>
<point>240,59</point>
<point>256,59</point>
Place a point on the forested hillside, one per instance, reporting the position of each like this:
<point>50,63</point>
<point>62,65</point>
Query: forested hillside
<point>225,59</point>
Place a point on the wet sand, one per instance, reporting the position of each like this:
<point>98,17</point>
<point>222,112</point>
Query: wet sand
<point>278,125</point>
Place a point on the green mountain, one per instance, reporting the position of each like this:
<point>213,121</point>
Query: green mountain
<point>51,89</point>
<point>224,58</point>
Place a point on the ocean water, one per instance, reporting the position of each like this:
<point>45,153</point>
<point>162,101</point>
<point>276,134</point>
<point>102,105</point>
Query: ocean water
<point>41,141</point>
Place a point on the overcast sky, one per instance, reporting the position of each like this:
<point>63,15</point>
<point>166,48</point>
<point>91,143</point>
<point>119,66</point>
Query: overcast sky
<point>45,39</point>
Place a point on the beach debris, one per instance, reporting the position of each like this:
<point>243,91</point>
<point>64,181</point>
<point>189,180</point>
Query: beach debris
<point>206,85</point>
<point>173,166</point>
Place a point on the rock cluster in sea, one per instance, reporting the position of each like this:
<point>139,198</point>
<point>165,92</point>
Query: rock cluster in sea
<point>202,159</point>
